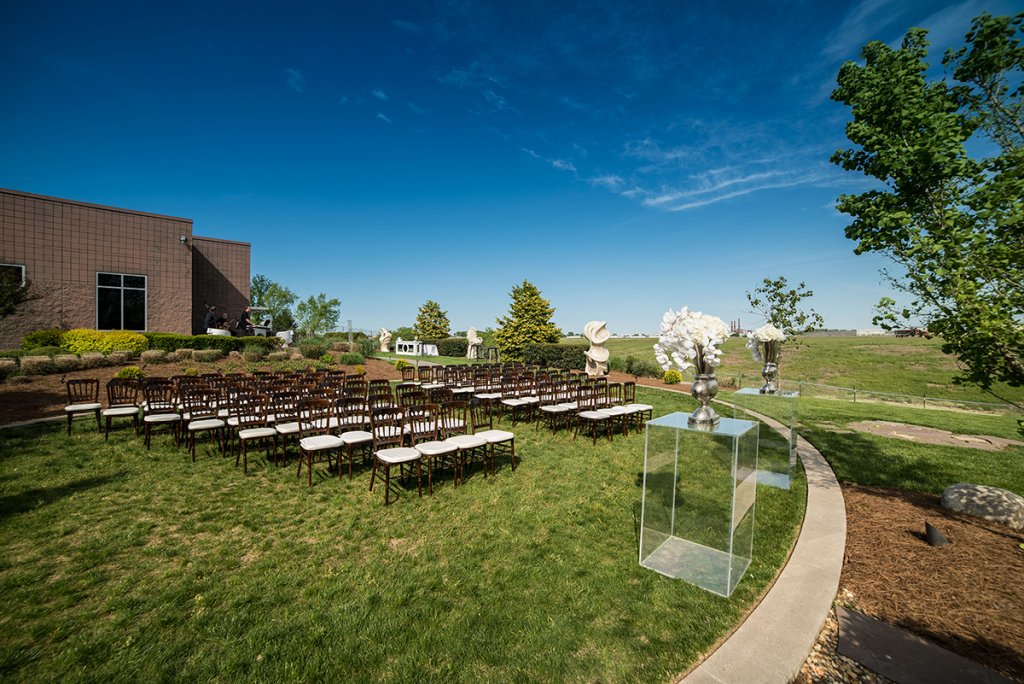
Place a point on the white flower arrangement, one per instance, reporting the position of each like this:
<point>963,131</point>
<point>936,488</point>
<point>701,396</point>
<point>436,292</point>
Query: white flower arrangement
<point>766,333</point>
<point>690,338</point>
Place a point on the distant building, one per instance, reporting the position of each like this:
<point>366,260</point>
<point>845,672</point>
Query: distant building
<point>111,269</point>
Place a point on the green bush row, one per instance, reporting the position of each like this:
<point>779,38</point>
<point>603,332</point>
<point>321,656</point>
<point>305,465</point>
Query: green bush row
<point>571,356</point>
<point>169,342</point>
<point>636,366</point>
<point>450,346</point>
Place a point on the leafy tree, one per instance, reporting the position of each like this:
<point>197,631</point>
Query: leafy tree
<point>528,322</point>
<point>781,306</point>
<point>277,298</point>
<point>431,322</point>
<point>13,292</point>
<point>317,314</point>
<point>952,223</point>
<point>403,332</point>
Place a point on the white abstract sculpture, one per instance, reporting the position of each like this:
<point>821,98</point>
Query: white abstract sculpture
<point>597,355</point>
<point>473,348</point>
<point>385,339</point>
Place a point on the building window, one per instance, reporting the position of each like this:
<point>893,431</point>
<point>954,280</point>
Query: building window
<point>15,272</point>
<point>120,301</point>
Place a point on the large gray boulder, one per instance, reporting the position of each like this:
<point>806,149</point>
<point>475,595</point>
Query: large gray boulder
<point>991,503</point>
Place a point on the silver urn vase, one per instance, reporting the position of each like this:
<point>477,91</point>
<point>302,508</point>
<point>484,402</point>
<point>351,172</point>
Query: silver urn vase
<point>704,389</point>
<point>770,372</point>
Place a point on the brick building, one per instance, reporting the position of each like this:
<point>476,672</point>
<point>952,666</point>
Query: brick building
<point>109,269</point>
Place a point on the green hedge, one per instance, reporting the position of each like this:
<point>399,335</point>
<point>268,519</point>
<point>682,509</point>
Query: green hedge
<point>571,356</point>
<point>170,342</point>
<point>81,340</point>
<point>42,338</point>
<point>450,346</point>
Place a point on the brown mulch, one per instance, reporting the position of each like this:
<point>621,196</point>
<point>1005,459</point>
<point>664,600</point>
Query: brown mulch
<point>42,396</point>
<point>967,597</point>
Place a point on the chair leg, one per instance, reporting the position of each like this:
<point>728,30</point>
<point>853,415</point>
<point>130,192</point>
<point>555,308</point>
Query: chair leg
<point>99,425</point>
<point>106,433</point>
<point>69,424</point>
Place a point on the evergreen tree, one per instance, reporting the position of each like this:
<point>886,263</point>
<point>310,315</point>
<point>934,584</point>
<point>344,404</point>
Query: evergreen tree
<point>528,322</point>
<point>431,322</point>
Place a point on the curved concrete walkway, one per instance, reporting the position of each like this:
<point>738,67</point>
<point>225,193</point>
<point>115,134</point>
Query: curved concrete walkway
<point>774,641</point>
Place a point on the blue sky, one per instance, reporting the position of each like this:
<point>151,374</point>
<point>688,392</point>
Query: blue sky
<point>626,157</point>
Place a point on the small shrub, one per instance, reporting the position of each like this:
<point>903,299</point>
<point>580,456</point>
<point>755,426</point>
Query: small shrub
<point>313,349</point>
<point>367,346</point>
<point>642,367</point>
<point>120,356</point>
<point>571,356</point>
<point>359,370</point>
<point>37,365</point>
<point>42,338</point>
<point>278,356</point>
<point>207,355</point>
<point>341,346</point>
<point>351,359</point>
<point>12,353</point>
<point>233,354</point>
<point>183,354</point>
<point>84,340</point>
<point>672,377</point>
<point>7,367</point>
<point>66,362</point>
<point>154,356</point>
<point>191,372</point>
<point>450,346</point>
<point>93,360</point>
<point>617,363</point>
<point>20,380</point>
<point>131,373</point>
<point>253,353</point>
<point>401,364</point>
<point>327,358</point>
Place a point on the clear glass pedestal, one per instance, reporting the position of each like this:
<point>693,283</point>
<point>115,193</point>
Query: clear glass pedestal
<point>699,491</point>
<point>776,453</point>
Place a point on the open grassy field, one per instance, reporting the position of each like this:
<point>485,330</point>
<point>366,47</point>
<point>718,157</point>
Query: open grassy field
<point>912,366</point>
<point>121,563</point>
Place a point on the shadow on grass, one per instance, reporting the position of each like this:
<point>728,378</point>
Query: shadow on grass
<point>32,499</point>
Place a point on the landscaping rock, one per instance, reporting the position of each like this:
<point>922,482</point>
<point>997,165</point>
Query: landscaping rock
<point>990,503</point>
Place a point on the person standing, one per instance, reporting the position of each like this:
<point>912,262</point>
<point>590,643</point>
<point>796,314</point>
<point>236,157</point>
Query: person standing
<point>211,318</point>
<point>245,322</point>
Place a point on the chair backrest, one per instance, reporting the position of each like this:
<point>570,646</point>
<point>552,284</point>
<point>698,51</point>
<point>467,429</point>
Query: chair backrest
<point>314,417</point>
<point>426,374</point>
<point>376,401</point>
<point>408,373</point>
<point>122,392</point>
<point>161,397</point>
<point>386,426</point>
<point>479,416</point>
<point>200,403</point>
<point>546,393</point>
<point>84,391</point>
<point>250,410</point>
<point>285,406</point>
<point>586,395</point>
<point>378,382</point>
<point>412,398</point>
<point>629,392</point>
<point>349,409</point>
<point>441,395</point>
<point>422,422</point>
<point>452,418</point>
<point>356,387</point>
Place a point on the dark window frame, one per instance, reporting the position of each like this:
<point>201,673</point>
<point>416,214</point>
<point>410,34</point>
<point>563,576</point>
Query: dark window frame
<point>24,271</point>
<point>120,289</point>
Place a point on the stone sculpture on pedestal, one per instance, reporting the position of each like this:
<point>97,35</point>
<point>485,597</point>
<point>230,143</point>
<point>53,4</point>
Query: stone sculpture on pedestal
<point>385,340</point>
<point>473,348</point>
<point>597,355</point>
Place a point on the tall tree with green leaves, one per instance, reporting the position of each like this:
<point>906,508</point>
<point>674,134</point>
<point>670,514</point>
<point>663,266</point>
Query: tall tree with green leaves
<point>952,223</point>
<point>431,322</point>
<point>317,314</point>
<point>781,306</point>
<point>277,298</point>
<point>528,322</point>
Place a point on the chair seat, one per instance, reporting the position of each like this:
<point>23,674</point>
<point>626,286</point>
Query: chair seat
<point>161,418</point>
<point>435,448</point>
<point>467,441</point>
<point>555,408</point>
<point>640,407</point>
<point>205,424</point>
<point>530,399</point>
<point>616,411</point>
<point>514,402</point>
<point>257,433</point>
<point>398,455</point>
<point>495,436</point>
<point>431,385</point>
<point>571,405</point>
<point>318,442</point>
<point>356,437</point>
<point>286,428</point>
<point>487,396</point>
<point>594,415</point>
<point>121,411</point>
<point>463,390</point>
<point>75,408</point>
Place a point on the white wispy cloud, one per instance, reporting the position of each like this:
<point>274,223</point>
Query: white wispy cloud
<point>380,115</point>
<point>737,193</point>
<point>296,80</point>
<point>862,23</point>
<point>379,94</point>
<point>416,109</point>
<point>407,26</point>
<point>611,182</point>
<point>707,186</point>
<point>563,165</point>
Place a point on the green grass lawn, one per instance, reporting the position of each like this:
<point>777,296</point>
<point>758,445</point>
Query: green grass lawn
<point>120,563</point>
<point>911,366</point>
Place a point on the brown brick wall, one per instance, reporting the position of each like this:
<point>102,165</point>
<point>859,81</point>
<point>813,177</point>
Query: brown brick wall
<point>220,276</point>
<point>63,243</point>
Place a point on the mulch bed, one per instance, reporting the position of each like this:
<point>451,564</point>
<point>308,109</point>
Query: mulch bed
<point>968,596</point>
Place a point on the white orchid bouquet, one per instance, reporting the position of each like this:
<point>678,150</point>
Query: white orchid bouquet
<point>765,341</point>
<point>690,338</point>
